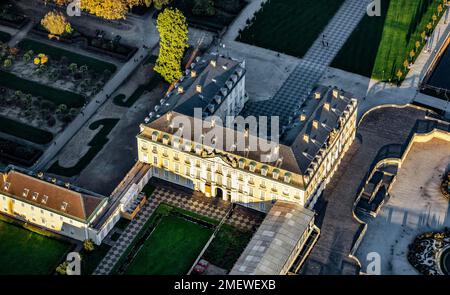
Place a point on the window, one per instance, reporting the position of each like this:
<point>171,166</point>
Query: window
<point>44,199</point>
<point>25,192</point>
<point>155,160</point>
<point>64,206</point>
<point>34,196</point>
<point>6,185</point>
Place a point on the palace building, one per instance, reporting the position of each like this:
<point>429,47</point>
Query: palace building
<point>295,170</point>
<point>50,204</point>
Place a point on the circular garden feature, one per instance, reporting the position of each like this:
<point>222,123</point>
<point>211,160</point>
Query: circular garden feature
<point>430,253</point>
<point>445,261</point>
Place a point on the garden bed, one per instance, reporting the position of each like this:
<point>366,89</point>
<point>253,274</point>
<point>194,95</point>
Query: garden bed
<point>97,44</point>
<point>57,96</point>
<point>58,53</point>
<point>17,154</point>
<point>225,11</point>
<point>10,16</point>
<point>25,131</point>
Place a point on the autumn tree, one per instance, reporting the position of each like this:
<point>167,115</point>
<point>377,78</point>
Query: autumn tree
<point>172,27</point>
<point>159,4</point>
<point>111,9</point>
<point>56,24</point>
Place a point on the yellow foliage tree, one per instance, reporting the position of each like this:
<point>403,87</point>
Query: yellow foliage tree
<point>55,23</point>
<point>110,9</point>
<point>172,27</point>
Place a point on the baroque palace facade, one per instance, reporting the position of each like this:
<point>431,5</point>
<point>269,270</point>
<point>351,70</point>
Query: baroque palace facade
<point>296,169</point>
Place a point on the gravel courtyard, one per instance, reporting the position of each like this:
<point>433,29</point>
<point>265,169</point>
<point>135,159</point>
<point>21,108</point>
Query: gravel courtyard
<point>416,206</point>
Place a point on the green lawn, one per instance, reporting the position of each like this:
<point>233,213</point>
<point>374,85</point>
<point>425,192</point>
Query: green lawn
<point>95,146</point>
<point>380,45</point>
<point>58,96</point>
<point>171,249</point>
<point>227,246</point>
<point>24,131</point>
<point>26,252</point>
<point>57,53</point>
<point>290,26</point>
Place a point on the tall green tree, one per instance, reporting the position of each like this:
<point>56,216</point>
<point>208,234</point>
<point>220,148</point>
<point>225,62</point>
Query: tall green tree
<point>172,28</point>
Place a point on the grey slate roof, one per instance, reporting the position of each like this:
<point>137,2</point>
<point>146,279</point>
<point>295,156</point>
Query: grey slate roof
<point>275,240</point>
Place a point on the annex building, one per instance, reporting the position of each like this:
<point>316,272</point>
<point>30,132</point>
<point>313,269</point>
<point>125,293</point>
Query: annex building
<point>45,202</point>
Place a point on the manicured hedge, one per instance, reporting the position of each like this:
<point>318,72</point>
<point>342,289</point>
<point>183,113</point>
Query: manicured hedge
<point>96,145</point>
<point>24,131</point>
<point>57,96</point>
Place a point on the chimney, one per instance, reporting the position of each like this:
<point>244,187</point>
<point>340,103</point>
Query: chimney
<point>335,93</point>
<point>306,137</point>
<point>315,124</point>
<point>198,88</point>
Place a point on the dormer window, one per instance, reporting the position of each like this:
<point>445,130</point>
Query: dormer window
<point>287,177</point>
<point>44,199</point>
<point>25,192</point>
<point>264,170</point>
<point>252,166</point>
<point>64,206</point>
<point>166,139</point>
<point>155,136</point>
<point>34,196</point>
<point>241,163</point>
<point>6,185</point>
<point>275,173</point>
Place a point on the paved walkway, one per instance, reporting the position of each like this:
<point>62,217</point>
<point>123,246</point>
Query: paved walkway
<point>379,128</point>
<point>207,207</point>
<point>311,68</point>
<point>416,205</point>
<point>21,34</point>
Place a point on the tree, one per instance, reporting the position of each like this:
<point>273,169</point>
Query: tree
<point>110,9</point>
<point>399,75</point>
<point>423,35</point>
<point>173,30</point>
<point>406,64</point>
<point>56,24</point>
<point>159,4</point>
<point>62,268</point>
<point>417,44</point>
<point>88,245</point>
<point>434,18</point>
<point>412,53</point>
<point>440,9</point>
